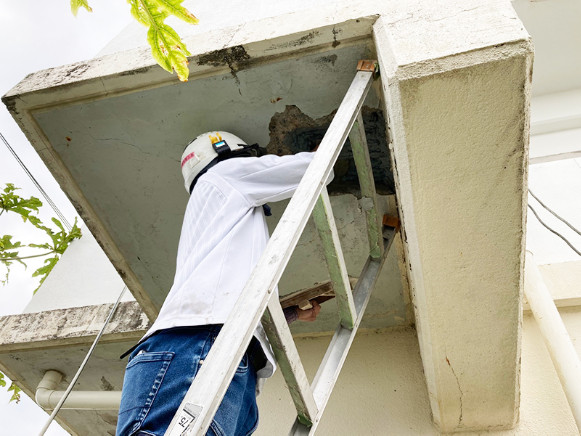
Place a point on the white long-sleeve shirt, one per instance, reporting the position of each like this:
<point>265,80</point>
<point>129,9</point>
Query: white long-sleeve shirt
<point>223,236</point>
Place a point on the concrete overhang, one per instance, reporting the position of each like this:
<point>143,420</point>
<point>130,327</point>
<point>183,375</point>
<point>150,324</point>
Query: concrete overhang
<point>33,343</point>
<point>112,130</point>
<point>455,90</point>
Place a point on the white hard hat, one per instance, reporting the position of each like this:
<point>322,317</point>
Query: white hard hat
<point>206,148</point>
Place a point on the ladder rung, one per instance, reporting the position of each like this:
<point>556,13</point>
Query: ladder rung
<point>289,361</point>
<point>338,349</point>
<point>367,183</point>
<point>325,222</point>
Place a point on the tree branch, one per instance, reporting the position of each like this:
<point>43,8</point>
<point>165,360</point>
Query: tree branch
<point>8,259</point>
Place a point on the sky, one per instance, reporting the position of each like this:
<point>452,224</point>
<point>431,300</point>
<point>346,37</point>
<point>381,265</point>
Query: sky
<point>41,34</point>
<point>36,35</point>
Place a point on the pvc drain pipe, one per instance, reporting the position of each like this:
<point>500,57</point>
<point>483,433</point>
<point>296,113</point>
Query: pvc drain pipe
<point>47,397</point>
<point>555,334</point>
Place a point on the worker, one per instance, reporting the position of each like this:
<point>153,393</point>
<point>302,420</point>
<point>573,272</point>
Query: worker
<point>223,236</point>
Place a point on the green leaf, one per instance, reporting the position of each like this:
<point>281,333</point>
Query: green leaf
<point>76,4</point>
<point>139,12</point>
<point>45,246</point>
<point>44,271</point>
<point>8,257</point>
<point>13,388</point>
<point>7,244</point>
<point>175,8</point>
<point>11,202</point>
<point>15,393</point>
<point>75,232</point>
<point>58,224</point>
<point>166,46</point>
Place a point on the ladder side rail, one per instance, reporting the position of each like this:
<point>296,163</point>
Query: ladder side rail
<point>289,362</point>
<point>337,351</point>
<point>360,150</point>
<point>325,223</point>
<point>208,388</point>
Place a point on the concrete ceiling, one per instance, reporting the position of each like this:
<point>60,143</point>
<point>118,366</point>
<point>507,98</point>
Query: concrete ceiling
<point>123,152</point>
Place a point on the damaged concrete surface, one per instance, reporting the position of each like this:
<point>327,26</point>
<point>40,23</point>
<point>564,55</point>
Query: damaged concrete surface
<point>292,131</point>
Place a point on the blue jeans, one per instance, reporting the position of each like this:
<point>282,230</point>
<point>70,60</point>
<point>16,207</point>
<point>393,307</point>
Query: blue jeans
<point>159,373</point>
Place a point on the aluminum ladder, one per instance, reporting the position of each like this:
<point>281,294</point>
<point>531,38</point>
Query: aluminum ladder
<point>208,388</point>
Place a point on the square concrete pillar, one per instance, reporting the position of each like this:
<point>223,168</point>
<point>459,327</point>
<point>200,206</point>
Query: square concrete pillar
<point>457,93</point>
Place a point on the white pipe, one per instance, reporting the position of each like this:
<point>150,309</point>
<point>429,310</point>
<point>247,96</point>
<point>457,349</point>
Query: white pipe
<point>47,397</point>
<point>556,338</point>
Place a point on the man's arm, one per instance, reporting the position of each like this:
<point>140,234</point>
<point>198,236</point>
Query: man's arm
<point>267,178</point>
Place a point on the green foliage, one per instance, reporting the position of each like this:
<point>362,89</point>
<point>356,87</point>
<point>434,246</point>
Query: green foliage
<point>166,45</point>
<point>15,393</point>
<point>58,239</point>
<point>13,388</point>
<point>76,4</point>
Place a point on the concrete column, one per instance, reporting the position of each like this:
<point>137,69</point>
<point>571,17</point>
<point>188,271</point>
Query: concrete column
<point>457,88</point>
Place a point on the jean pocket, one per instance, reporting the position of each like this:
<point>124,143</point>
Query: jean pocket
<point>143,378</point>
<point>154,356</point>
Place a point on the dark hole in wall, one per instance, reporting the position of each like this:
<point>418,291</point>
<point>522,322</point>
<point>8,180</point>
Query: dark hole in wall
<point>292,131</point>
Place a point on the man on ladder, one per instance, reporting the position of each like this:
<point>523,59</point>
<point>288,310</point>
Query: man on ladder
<point>223,235</point>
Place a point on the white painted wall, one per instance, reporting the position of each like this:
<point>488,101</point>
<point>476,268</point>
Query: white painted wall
<point>555,129</point>
<point>84,276</point>
<point>382,390</point>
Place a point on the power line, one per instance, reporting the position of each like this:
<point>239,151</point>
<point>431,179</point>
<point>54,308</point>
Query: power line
<point>554,213</point>
<point>554,231</point>
<point>42,191</point>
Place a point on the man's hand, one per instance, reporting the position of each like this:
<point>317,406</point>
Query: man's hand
<point>309,314</point>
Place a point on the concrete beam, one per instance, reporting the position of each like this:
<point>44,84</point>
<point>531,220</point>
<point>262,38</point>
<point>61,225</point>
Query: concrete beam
<point>33,343</point>
<point>459,121</point>
<point>78,325</point>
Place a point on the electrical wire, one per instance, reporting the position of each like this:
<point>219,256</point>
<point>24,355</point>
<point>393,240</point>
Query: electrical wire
<point>62,218</point>
<point>555,213</point>
<point>77,375</point>
<point>554,231</point>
